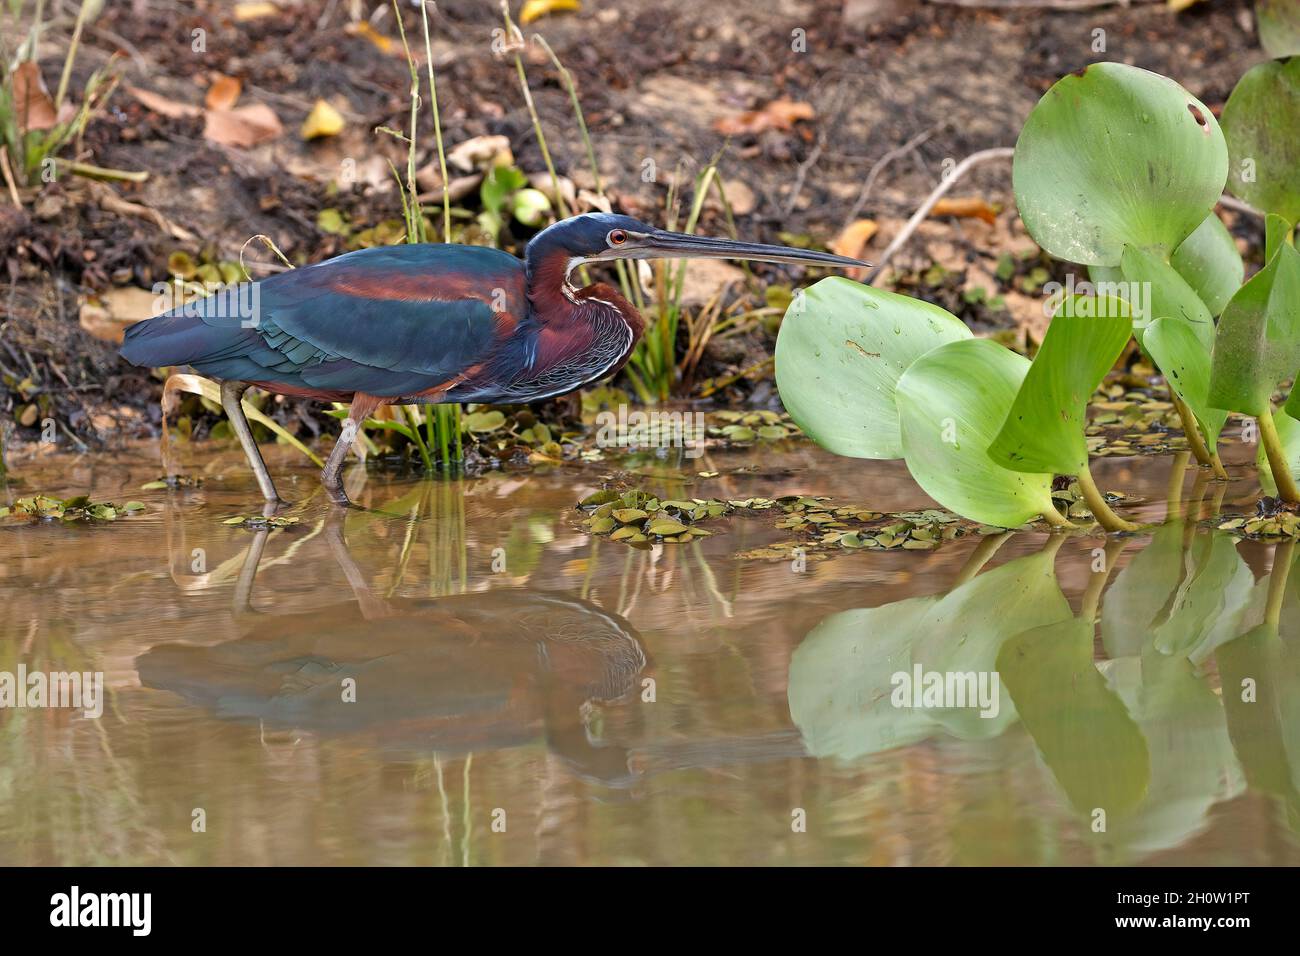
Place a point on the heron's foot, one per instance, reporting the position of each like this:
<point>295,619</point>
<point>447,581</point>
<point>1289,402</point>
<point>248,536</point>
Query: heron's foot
<point>334,489</point>
<point>273,506</point>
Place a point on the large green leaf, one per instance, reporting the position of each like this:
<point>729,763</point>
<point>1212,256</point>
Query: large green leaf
<point>1288,432</point>
<point>1044,430</point>
<point>1155,290</point>
<point>1257,344</point>
<point>840,681</point>
<point>952,402</point>
<point>964,632</point>
<point>1262,123</point>
<point>1208,259</point>
<point>841,675</point>
<point>839,355</point>
<point>1279,26</point>
<point>1114,155</point>
<point>1192,763</point>
<point>1082,728</point>
<point>1182,594</point>
<point>1185,360</point>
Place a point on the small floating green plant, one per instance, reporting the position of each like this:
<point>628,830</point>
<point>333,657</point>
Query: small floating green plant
<point>76,508</point>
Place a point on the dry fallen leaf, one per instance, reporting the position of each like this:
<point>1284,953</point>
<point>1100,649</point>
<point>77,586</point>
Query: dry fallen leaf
<point>163,105</point>
<point>481,152</point>
<point>968,207</point>
<point>107,316</point>
<point>224,92</point>
<point>323,120</point>
<point>255,10</point>
<point>35,108</point>
<point>364,29</point>
<point>778,114</point>
<point>536,9</point>
<point>245,126</point>
<point>854,239</point>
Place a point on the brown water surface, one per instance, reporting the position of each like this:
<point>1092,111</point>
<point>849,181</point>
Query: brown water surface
<point>461,675</point>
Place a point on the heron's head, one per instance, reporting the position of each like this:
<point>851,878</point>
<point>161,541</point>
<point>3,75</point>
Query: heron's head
<point>603,237</point>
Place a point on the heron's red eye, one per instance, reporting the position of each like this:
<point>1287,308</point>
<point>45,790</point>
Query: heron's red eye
<point>617,237</point>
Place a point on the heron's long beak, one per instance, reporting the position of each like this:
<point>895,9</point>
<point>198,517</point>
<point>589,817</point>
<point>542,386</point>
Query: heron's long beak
<point>679,245</point>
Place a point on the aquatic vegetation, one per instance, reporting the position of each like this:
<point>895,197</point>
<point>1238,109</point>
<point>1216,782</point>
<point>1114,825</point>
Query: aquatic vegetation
<point>1119,170</point>
<point>1140,733</point>
<point>76,508</point>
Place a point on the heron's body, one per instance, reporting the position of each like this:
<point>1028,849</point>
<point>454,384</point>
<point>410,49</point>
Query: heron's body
<point>421,324</point>
<point>403,324</point>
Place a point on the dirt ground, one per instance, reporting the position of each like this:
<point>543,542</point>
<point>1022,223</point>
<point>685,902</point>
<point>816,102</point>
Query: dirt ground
<point>897,90</point>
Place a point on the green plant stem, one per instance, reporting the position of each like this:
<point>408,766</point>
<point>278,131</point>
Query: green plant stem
<point>1283,556</point>
<point>983,552</point>
<point>437,126</point>
<point>101,172</point>
<point>1277,463</point>
<point>1191,429</point>
<point>1091,600</point>
<point>1056,519</point>
<point>1174,490</point>
<point>72,55</point>
<point>1096,502</point>
<point>512,32</point>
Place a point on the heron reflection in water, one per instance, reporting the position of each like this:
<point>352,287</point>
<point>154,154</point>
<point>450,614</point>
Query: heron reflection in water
<point>466,672</point>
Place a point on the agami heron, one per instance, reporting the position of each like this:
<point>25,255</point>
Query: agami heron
<point>426,324</point>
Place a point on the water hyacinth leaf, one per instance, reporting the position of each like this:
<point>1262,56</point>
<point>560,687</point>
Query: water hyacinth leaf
<point>1257,343</point>
<point>1210,262</point>
<point>951,403</point>
<point>1279,26</point>
<point>1185,360</point>
<point>1094,749</point>
<point>840,681</point>
<point>1288,431</point>
<point>1113,155</point>
<point>965,631</point>
<point>1181,594</point>
<point>1105,274</point>
<point>1276,231</point>
<point>839,354</point>
<point>1193,766</point>
<point>1044,430</point>
<point>843,675</point>
<point>1262,123</point>
<point>1157,291</point>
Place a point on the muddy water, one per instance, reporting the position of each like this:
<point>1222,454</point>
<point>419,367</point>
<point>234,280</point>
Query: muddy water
<point>461,676</point>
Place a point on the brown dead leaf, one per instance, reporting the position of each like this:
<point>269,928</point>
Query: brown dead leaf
<point>968,207</point>
<point>163,105</point>
<point>244,126</point>
<point>255,10</point>
<point>224,92</point>
<point>107,316</point>
<point>35,108</point>
<point>536,9</point>
<point>854,238</point>
<point>778,114</point>
<point>382,43</point>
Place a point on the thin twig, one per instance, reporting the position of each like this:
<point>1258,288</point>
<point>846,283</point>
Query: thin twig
<point>896,153</point>
<point>1235,204</point>
<point>1000,152</point>
<point>9,176</point>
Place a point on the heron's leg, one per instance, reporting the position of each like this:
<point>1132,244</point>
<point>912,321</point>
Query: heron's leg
<point>362,406</point>
<point>243,601</point>
<point>231,393</point>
